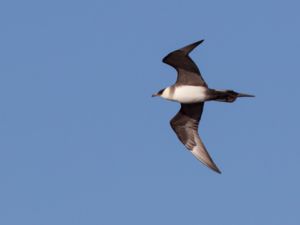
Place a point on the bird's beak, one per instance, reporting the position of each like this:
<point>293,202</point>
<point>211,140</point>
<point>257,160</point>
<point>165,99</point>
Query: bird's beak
<point>154,95</point>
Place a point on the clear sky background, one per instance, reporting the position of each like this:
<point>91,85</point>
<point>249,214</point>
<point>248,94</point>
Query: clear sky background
<point>82,141</point>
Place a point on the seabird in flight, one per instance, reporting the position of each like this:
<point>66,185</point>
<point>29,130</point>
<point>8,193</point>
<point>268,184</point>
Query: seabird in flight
<point>191,91</point>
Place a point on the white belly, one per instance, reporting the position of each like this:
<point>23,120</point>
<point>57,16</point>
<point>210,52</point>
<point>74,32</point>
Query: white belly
<point>189,94</point>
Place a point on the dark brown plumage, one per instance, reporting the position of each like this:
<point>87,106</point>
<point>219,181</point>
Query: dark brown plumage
<point>192,91</point>
<point>187,71</point>
<point>185,125</point>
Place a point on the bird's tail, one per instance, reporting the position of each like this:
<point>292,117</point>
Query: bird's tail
<point>230,96</point>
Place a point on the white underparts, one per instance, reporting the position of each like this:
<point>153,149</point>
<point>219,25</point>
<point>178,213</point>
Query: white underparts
<point>185,94</point>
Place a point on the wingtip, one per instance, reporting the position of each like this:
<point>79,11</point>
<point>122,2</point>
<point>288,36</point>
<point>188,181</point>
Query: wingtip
<point>217,170</point>
<point>214,167</point>
<point>187,49</point>
<point>245,95</point>
<point>197,42</point>
<point>206,160</point>
<point>201,41</point>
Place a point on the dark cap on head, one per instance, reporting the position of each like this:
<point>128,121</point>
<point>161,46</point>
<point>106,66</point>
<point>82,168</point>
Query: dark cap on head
<point>158,93</point>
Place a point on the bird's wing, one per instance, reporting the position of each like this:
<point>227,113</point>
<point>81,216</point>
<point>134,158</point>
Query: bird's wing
<point>185,124</point>
<point>188,72</point>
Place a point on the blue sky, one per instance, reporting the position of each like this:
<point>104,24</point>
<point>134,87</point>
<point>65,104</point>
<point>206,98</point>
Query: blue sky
<point>82,141</point>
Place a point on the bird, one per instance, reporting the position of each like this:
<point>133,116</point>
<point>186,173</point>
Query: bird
<point>191,91</point>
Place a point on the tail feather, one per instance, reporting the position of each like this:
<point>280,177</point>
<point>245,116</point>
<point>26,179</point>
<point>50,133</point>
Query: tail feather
<point>230,96</point>
<point>245,95</point>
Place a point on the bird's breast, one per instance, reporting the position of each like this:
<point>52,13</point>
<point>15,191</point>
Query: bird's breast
<point>190,94</point>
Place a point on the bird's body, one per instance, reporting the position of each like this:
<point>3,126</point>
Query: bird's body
<point>188,94</point>
<point>191,91</point>
<point>185,94</point>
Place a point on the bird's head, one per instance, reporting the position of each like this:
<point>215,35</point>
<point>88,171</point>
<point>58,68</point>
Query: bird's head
<point>160,93</point>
